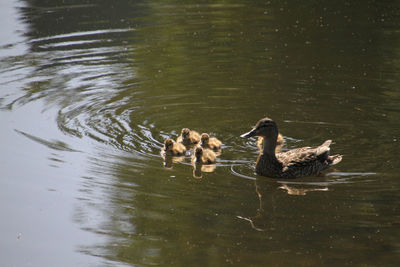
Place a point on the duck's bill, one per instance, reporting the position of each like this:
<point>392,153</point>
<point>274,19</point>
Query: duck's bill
<point>249,134</point>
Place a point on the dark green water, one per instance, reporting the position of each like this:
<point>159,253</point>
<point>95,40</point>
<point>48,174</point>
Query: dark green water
<point>90,90</point>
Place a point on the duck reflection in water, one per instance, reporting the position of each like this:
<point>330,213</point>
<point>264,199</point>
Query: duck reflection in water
<point>203,160</point>
<point>168,160</point>
<point>291,190</point>
<point>270,207</point>
<point>263,220</point>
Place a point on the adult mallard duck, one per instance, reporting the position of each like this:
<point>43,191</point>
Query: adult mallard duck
<point>188,137</point>
<point>305,161</point>
<point>210,142</point>
<point>172,148</point>
<point>203,156</point>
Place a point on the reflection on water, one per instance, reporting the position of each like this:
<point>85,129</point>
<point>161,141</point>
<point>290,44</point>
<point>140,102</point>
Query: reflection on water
<point>198,169</point>
<point>291,190</point>
<point>114,80</point>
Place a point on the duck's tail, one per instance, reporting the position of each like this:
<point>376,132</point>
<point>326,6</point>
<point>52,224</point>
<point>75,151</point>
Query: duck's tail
<point>323,150</point>
<point>334,159</point>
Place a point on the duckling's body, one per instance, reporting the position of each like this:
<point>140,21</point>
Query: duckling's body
<point>172,148</point>
<point>305,161</point>
<point>210,142</point>
<point>188,137</point>
<point>279,143</point>
<point>203,156</point>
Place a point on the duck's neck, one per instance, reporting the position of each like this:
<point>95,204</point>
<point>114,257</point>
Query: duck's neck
<point>269,145</point>
<point>198,157</point>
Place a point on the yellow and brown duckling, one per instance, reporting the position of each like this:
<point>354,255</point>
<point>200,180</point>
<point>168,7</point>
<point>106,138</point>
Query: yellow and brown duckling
<point>203,156</point>
<point>304,161</point>
<point>188,137</point>
<point>172,148</point>
<point>210,142</point>
<point>279,142</point>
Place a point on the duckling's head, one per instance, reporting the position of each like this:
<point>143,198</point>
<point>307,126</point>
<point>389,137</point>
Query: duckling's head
<point>204,138</point>
<point>168,144</point>
<point>265,127</point>
<point>185,132</point>
<point>198,152</point>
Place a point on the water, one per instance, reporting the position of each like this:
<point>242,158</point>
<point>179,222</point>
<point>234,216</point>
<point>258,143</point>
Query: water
<point>90,90</point>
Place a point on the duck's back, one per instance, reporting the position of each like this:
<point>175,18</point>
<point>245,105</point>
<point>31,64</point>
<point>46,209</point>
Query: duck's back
<point>208,157</point>
<point>305,161</point>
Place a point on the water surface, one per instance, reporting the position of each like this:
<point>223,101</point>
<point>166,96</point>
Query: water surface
<point>90,90</point>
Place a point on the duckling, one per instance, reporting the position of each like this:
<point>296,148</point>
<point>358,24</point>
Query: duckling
<point>172,148</point>
<point>188,137</point>
<point>279,143</point>
<point>203,156</point>
<point>210,142</point>
<point>305,161</point>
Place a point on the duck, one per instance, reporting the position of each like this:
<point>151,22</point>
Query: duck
<point>203,156</point>
<point>210,142</point>
<point>279,142</point>
<point>295,163</point>
<point>172,148</point>
<point>188,137</point>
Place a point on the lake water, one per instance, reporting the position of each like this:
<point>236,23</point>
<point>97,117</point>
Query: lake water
<point>89,90</point>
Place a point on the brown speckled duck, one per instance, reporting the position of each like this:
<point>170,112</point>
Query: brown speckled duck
<point>210,142</point>
<point>203,156</point>
<point>172,148</point>
<point>188,137</point>
<point>305,161</point>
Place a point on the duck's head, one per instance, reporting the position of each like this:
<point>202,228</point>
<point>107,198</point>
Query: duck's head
<point>185,132</point>
<point>198,151</point>
<point>204,138</point>
<point>168,144</point>
<point>265,127</point>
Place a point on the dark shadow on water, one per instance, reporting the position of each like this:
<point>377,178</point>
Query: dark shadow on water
<point>54,144</point>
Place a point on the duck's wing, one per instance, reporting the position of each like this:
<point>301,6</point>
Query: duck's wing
<point>305,155</point>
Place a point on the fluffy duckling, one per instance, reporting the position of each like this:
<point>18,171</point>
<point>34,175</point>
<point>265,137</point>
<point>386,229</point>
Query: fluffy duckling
<point>203,156</point>
<point>210,142</point>
<point>279,142</point>
<point>188,137</point>
<point>172,148</point>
